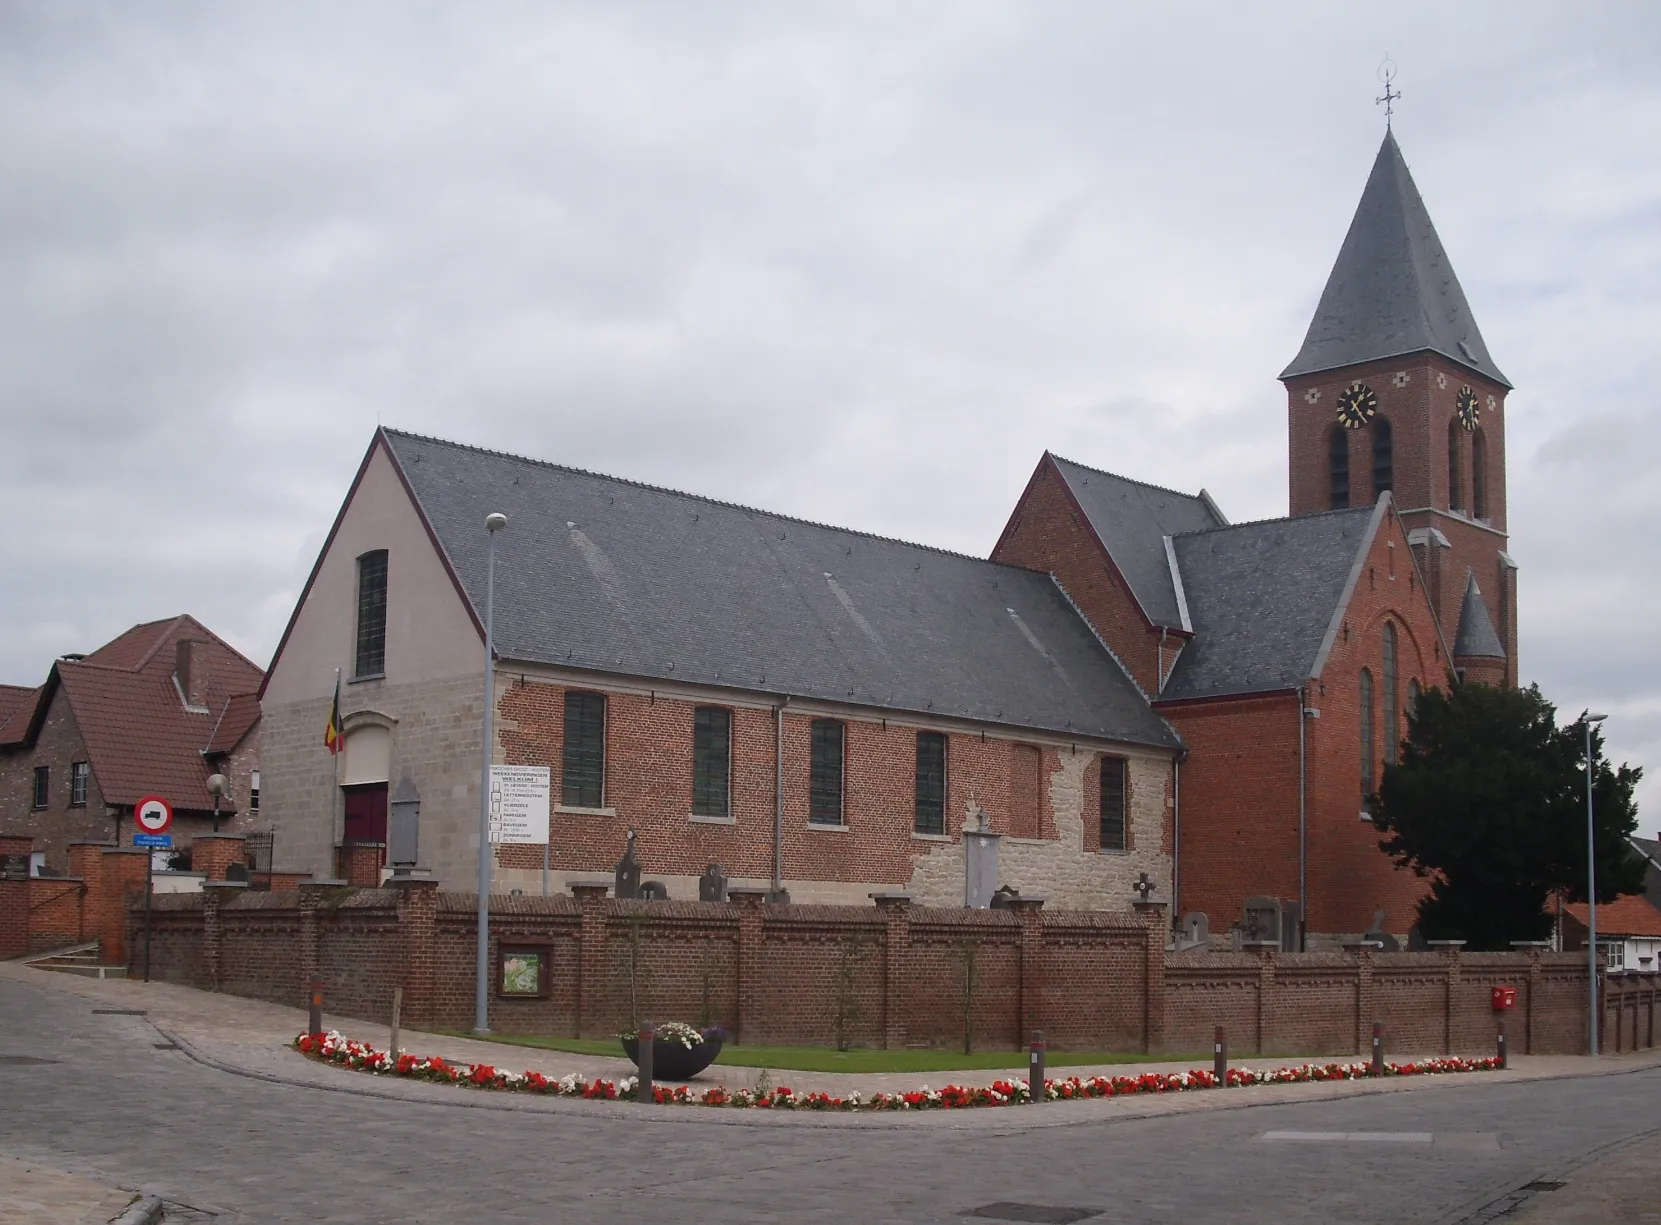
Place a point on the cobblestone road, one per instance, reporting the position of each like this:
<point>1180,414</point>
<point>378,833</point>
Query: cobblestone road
<point>115,1109</point>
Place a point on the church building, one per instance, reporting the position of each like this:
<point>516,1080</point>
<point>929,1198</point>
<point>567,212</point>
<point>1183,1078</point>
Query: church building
<point>1130,689</point>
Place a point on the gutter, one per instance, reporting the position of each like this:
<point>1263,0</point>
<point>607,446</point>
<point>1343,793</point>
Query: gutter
<point>778,796</point>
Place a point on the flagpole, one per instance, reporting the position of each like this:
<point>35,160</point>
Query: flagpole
<point>337,830</point>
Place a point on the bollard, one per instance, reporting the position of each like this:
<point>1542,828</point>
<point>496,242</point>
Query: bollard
<point>1219,1055</point>
<point>315,1023</point>
<point>1504,1059</point>
<point>397,1010</point>
<point>1035,1068</point>
<point>1378,1049</point>
<point>643,1046</point>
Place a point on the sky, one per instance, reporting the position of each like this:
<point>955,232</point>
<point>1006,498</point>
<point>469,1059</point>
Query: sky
<point>859,263</point>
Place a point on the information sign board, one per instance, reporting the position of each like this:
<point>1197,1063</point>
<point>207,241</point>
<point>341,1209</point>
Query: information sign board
<point>519,803</point>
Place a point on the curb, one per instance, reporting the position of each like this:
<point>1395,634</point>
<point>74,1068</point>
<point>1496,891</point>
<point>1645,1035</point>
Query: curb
<point>146,1210</point>
<point>992,1122</point>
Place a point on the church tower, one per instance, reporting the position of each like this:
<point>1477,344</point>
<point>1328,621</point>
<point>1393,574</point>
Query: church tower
<point>1394,389</point>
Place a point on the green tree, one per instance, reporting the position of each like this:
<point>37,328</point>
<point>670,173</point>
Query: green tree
<point>1488,801</point>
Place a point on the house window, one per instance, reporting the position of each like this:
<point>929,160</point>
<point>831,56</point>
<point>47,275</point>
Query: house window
<point>1366,733</point>
<point>583,767</point>
<point>254,793</point>
<point>1338,464</point>
<point>931,783</point>
<point>1456,496</point>
<point>711,761</point>
<point>1392,735</point>
<point>1614,954</point>
<point>79,772</point>
<point>43,786</point>
<point>825,781</point>
<point>1113,803</point>
<point>1414,693</point>
<point>1479,475</point>
<point>371,654</point>
<point>1384,457</point>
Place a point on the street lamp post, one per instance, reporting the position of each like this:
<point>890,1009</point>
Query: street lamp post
<point>1591,896</point>
<point>493,523</point>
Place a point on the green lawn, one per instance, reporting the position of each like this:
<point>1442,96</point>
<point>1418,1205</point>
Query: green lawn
<point>824,1059</point>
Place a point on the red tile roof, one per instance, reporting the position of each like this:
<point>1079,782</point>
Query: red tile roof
<point>239,713</point>
<point>1632,915</point>
<point>16,702</point>
<point>140,735</point>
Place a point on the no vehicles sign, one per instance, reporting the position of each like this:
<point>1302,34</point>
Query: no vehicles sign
<point>153,815</point>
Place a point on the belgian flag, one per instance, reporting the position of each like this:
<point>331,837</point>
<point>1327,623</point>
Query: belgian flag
<point>331,734</point>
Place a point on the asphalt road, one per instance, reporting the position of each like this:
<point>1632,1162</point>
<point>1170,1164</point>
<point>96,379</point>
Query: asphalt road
<point>114,1107</point>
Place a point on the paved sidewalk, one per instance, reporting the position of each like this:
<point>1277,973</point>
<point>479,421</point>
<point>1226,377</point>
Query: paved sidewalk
<point>1621,1188</point>
<point>252,1038</point>
<point>31,1194</point>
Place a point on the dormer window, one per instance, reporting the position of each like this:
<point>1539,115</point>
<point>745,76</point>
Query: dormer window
<point>371,652</point>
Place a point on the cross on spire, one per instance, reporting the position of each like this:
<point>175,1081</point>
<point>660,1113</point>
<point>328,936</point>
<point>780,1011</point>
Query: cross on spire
<point>1387,74</point>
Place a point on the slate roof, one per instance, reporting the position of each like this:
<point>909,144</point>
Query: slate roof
<point>1262,597</point>
<point>599,573</point>
<point>1649,848</point>
<point>1630,915</point>
<point>1392,290</point>
<point>1476,638</point>
<point>1132,520</point>
<point>140,736</point>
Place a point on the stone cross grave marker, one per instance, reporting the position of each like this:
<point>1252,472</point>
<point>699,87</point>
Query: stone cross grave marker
<point>628,872</point>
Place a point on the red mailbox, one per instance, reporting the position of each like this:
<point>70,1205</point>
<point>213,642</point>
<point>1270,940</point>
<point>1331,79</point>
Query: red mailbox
<point>1504,997</point>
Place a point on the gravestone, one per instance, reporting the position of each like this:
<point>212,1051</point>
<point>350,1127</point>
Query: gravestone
<point>1196,930</point>
<point>1262,920</point>
<point>980,863</point>
<point>1416,942</point>
<point>654,891</point>
<point>627,879</point>
<point>1377,934</point>
<point>1005,897</point>
<point>404,829</point>
<point>712,885</point>
<point>1289,927</point>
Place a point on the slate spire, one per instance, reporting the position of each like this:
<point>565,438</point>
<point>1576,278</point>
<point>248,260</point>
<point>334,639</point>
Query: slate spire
<point>1476,638</point>
<point>1392,290</point>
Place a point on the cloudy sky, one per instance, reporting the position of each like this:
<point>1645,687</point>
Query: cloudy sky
<point>856,262</point>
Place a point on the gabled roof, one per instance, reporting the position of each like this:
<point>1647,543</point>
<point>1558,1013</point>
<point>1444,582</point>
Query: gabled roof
<point>604,574</point>
<point>140,736</point>
<point>1392,290</point>
<point>237,716</point>
<point>1132,520</point>
<point>1476,638</point>
<point>17,708</point>
<point>1630,915</point>
<point>1262,597</point>
<point>1649,848</point>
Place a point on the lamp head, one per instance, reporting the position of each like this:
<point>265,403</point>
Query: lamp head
<point>495,522</point>
<point>1592,717</point>
<point>216,785</point>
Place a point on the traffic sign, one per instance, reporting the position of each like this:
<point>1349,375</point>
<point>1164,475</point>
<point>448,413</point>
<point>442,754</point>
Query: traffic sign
<point>153,815</point>
<point>153,840</point>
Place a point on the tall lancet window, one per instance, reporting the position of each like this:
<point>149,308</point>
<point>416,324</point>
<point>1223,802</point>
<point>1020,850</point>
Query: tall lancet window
<point>1392,734</point>
<point>1456,495</point>
<point>1366,733</point>
<point>1479,475</point>
<point>1338,464</point>
<point>1384,457</point>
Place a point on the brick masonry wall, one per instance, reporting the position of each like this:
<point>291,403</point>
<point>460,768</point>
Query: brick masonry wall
<point>895,975</point>
<point>54,827</point>
<point>58,912</point>
<point>1048,532</point>
<point>648,788</point>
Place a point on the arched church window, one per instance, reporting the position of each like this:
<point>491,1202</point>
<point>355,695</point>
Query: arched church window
<point>1384,456</point>
<point>1366,733</point>
<point>1392,735</point>
<point>1456,496</point>
<point>1338,465</point>
<point>1479,475</point>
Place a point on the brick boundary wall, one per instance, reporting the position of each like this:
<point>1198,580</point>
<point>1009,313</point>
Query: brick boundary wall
<point>890,975</point>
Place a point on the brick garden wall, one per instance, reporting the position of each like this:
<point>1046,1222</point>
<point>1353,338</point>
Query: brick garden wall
<point>890,975</point>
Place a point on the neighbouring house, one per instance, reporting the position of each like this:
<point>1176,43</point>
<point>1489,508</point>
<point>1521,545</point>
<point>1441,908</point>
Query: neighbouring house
<point>1629,932</point>
<point>156,711</point>
<point>1129,685</point>
<point>1649,849</point>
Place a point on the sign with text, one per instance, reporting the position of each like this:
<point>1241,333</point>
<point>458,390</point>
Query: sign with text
<point>153,840</point>
<point>519,803</point>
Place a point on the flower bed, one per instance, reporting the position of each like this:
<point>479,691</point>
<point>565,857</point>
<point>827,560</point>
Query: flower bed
<point>337,1049</point>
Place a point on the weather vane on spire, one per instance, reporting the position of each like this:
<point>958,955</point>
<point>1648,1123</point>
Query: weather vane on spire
<point>1386,74</point>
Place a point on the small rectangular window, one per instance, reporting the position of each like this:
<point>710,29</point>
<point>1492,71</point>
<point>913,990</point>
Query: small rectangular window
<point>711,761</point>
<point>43,786</point>
<point>931,783</point>
<point>79,772</point>
<point>825,784</point>
<point>584,764</point>
<point>1113,803</point>
<point>371,653</point>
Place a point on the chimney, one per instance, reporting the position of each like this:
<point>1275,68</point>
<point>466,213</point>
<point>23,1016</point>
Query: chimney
<point>189,671</point>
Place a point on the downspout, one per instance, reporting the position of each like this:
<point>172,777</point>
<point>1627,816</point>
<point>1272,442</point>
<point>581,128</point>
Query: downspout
<point>1176,839</point>
<point>1303,821</point>
<point>778,796</point>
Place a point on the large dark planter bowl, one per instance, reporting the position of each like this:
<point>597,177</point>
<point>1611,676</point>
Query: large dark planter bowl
<point>672,1061</point>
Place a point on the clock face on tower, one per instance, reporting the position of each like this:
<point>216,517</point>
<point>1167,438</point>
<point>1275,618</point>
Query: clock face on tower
<point>1466,407</point>
<point>1356,406</point>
